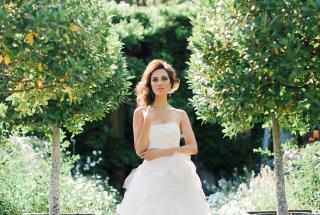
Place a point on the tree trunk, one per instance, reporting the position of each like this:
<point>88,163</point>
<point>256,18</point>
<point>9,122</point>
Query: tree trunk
<point>282,208</point>
<point>55,171</point>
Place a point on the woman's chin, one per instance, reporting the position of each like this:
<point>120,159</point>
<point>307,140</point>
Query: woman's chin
<point>161,94</point>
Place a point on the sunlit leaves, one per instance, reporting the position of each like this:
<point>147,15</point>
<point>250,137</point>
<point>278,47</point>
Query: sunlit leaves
<point>60,59</point>
<point>7,60</point>
<point>40,67</point>
<point>40,82</point>
<point>73,27</point>
<point>30,38</point>
<point>260,59</point>
<point>3,110</point>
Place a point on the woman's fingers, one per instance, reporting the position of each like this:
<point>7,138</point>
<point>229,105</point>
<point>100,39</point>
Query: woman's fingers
<point>148,108</point>
<point>146,156</point>
<point>143,155</point>
<point>145,112</point>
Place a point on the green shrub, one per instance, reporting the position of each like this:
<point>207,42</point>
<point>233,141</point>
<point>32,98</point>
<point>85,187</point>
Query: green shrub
<point>6,207</point>
<point>304,176</point>
<point>258,192</point>
<point>25,175</point>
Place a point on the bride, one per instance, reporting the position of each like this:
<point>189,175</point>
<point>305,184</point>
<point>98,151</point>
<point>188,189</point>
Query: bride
<point>166,183</point>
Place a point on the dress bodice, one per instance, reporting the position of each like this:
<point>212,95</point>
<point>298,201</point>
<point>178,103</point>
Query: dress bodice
<point>165,135</point>
<point>167,185</point>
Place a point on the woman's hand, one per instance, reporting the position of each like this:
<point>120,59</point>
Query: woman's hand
<point>149,114</point>
<point>150,154</point>
<point>156,153</point>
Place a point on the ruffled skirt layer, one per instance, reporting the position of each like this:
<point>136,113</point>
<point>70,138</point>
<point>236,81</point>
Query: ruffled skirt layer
<point>164,186</point>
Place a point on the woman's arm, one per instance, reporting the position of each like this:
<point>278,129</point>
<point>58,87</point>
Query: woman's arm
<point>156,153</point>
<point>140,131</point>
<point>191,146</point>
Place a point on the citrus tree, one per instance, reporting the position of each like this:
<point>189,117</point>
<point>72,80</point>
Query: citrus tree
<point>60,66</point>
<point>257,62</point>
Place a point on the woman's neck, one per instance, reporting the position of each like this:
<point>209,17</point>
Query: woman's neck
<point>160,102</point>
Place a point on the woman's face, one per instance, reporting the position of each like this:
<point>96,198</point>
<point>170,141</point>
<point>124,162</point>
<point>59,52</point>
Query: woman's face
<point>160,82</point>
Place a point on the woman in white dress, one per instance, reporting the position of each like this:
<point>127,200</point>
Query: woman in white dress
<point>166,183</point>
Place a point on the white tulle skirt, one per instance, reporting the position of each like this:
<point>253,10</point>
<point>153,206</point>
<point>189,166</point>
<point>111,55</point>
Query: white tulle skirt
<point>164,186</point>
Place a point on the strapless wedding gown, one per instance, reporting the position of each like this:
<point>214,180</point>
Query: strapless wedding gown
<point>167,185</point>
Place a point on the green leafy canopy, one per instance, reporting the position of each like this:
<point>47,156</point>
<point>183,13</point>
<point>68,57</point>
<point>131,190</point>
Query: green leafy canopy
<point>256,59</point>
<point>60,62</point>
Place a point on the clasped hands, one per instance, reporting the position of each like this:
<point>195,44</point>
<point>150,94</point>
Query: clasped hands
<point>152,154</point>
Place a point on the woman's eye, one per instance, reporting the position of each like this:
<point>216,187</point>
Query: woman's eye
<point>164,79</point>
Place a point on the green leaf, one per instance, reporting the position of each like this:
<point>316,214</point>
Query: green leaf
<point>3,110</point>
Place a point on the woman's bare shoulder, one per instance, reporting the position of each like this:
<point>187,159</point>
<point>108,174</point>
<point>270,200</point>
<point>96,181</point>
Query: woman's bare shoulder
<point>179,111</point>
<point>140,109</point>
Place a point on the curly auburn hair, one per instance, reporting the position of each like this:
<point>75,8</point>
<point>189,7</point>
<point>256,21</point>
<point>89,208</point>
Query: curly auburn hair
<point>144,93</point>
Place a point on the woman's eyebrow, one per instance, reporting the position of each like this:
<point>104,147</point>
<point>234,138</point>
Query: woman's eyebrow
<point>164,76</point>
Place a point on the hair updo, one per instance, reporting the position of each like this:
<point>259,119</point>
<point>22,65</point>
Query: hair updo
<point>144,93</point>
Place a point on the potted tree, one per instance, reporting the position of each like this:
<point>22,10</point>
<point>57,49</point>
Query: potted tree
<point>257,62</point>
<point>60,66</point>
